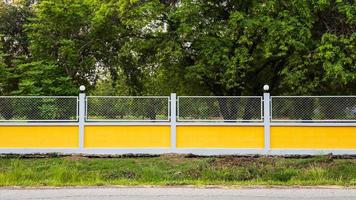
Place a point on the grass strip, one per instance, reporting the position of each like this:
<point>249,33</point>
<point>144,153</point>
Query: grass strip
<point>177,170</point>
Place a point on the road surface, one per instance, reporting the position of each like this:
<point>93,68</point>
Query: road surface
<point>118,193</point>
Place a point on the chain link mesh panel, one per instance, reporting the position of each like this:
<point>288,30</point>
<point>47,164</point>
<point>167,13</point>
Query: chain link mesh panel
<point>38,108</point>
<point>128,108</point>
<point>314,108</point>
<point>219,108</point>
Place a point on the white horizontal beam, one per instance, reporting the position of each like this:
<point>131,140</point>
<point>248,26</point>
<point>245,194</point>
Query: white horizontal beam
<point>130,97</point>
<point>127,124</point>
<point>339,96</point>
<point>217,124</point>
<point>313,124</point>
<point>39,124</point>
<point>196,151</point>
<point>168,123</point>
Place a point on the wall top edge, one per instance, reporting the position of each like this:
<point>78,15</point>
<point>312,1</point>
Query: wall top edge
<point>178,124</point>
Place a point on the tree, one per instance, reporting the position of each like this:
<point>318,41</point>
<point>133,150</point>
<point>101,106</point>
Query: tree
<point>61,47</point>
<point>328,67</point>
<point>221,47</point>
<point>200,47</point>
<point>234,47</point>
<point>14,44</point>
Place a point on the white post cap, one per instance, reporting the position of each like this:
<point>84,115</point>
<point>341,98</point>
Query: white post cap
<point>82,88</point>
<point>266,88</point>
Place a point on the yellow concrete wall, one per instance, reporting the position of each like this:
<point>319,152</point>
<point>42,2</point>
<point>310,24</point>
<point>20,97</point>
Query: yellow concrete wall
<point>296,137</point>
<point>39,137</point>
<point>282,137</point>
<point>127,136</point>
<point>220,137</point>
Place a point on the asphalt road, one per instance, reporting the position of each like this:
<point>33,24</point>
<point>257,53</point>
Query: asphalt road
<point>175,194</point>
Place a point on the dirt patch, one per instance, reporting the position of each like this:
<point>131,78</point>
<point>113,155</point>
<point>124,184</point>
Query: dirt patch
<point>76,158</point>
<point>34,155</point>
<point>172,155</point>
<point>120,155</point>
<point>232,158</point>
<point>177,159</point>
<point>232,161</point>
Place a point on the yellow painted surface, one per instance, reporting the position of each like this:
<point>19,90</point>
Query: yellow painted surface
<point>220,137</point>
<point>127,136</point>
<point>313,137</point>
<point>38,136</point>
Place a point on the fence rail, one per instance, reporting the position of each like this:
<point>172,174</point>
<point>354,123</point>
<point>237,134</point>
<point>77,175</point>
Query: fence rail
<point>127,108</point>
<point>38,108</point>
<point>313,108</point>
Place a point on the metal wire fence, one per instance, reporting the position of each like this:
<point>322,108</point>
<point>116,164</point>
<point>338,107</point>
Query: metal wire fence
<point>214,108</point>
<point>120,108</point>
<point>313,108</point>
<point>38,108</point>
<point>189,108</point>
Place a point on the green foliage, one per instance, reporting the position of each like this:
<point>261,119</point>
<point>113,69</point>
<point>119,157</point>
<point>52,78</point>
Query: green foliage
<point>61,39</point>
<point>13,45</point>
<point>201,47</point>
<point>39,78</point>
<point>3,72</point>
<point>233,48</point>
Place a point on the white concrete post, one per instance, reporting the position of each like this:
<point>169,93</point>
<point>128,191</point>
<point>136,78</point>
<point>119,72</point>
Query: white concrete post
<point>173,109</point>
<point>266,118</point>
<point>81,116</point>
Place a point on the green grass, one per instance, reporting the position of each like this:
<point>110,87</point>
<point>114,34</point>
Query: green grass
<point>177,170</point>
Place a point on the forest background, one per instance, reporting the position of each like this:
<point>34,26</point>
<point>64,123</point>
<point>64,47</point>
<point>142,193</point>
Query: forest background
<point>191,47</point>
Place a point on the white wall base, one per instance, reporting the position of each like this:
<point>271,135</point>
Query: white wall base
<point>196,151</point>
